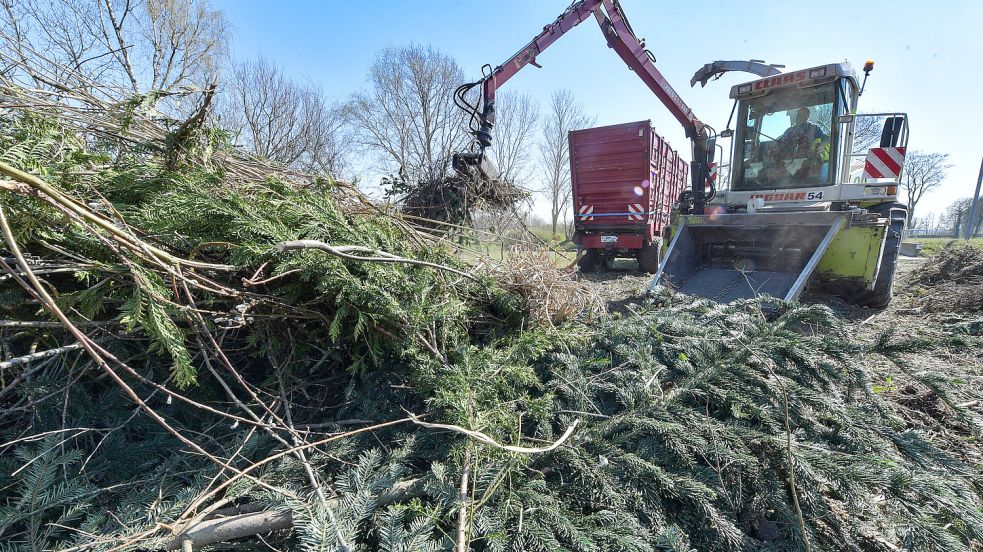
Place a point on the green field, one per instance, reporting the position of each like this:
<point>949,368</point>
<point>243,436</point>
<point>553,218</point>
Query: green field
<point>563,254</point>
<point>932,245</point>
<point>546,234</point>
<point>561,249</point>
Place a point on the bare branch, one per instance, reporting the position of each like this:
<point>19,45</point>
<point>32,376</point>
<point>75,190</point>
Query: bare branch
<point>40,355</point>
<point>251,519</point>
<point>483,438</point>
<point>372,255</point>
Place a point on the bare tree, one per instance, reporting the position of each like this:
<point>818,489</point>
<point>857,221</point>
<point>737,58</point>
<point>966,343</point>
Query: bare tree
<point>114,48</point>
<point>517,116</point>
<point>866,132</point>
<point>407,115</point>
<point>564,114</point>
<point>533,220</point>
<point>955,216</point>
<point>282,120</point>
<point>183,40</point>
<point>923,172</point>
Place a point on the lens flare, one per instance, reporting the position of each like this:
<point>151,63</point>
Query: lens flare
<point>645,183</point>
<point>639,191</point>
<point>714,211</point>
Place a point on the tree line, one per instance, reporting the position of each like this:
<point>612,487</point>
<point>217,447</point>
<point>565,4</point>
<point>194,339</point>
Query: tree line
<point>158,53</point>
<point>953,220</point>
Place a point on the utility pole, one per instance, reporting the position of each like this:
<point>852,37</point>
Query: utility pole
<point>971,220</point>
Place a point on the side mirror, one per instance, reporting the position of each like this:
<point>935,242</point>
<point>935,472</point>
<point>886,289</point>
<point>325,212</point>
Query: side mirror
<point>726,133</point>
<point>711,149</point>
<point>891,134</point>
<point>846,118</point>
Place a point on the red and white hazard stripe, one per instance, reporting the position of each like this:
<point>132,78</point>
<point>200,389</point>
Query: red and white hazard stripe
<point>635,211</point>
<point>714,169</point>
<point>586,212</point>
<point>884,162</point>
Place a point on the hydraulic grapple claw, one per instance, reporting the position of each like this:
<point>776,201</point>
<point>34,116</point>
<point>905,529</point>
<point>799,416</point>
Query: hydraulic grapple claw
<point>475,165</point>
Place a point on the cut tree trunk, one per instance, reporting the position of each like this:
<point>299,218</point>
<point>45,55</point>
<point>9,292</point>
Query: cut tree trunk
<point>253,522</point>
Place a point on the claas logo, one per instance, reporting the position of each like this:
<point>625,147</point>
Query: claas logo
<point>780,80</point>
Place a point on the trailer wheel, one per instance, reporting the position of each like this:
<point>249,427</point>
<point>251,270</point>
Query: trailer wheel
<point>883,290</point>
<point>588,262</point>
<point>605,263</point>
<point>650,256</point>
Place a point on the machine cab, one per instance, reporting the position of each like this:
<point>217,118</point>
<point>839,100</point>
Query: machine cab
<point>808,196</point>
<point>789,134</point>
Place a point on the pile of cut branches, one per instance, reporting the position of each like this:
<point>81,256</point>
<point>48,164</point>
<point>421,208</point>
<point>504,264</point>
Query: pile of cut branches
<point>550,290</point>
<point>438,204</point>
<point>952,281</point>
<point>192,352</point>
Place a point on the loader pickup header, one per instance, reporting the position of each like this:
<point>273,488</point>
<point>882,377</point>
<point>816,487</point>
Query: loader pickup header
<point>729,257</point>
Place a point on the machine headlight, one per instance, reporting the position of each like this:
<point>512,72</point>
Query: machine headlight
<point>817,73</point>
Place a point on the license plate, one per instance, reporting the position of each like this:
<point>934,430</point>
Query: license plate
<point>609,239</point>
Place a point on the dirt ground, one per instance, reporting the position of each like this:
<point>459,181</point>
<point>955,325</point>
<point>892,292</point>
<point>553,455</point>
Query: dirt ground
<point>625,285</point>
<point>621,286</point>
<point>931,376</point>
<point>938,384</point>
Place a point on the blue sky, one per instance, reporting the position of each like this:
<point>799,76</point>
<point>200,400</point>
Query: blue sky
<point>927,56</point>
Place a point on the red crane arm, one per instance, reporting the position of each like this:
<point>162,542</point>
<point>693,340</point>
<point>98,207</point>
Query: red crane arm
<point>632,51</point>
<point>619,37</point>
<point>567,20</point>
<point>622,40</point>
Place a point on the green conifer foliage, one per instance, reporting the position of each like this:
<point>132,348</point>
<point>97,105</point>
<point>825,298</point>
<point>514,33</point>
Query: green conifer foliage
<point>701,426</point>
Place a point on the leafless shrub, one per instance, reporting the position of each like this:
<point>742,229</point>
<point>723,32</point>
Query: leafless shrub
<point>552,292</point>
<point>282,120</point>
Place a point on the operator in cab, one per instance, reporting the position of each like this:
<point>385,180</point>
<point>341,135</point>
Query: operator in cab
<point>800,154</point>
<point>801,137</point>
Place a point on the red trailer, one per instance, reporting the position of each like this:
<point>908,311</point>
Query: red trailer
<point>625,180</point>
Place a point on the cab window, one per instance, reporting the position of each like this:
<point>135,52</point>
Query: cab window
<point>786,138</point>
